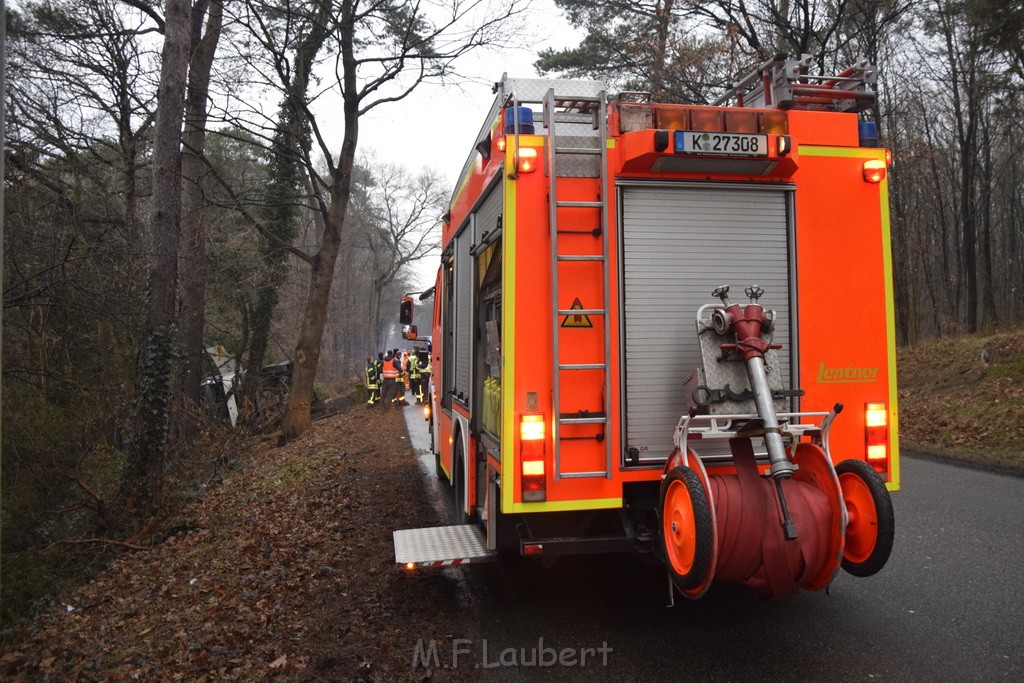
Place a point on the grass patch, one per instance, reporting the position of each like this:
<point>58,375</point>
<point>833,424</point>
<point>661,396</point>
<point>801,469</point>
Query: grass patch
<point>296,469</point>
<point>963,398</point>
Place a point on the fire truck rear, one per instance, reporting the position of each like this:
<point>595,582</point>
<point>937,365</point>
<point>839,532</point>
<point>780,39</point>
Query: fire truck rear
<point>669,329</point>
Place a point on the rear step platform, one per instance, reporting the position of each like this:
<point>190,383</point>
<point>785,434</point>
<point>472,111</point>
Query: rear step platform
<point>441,546</point>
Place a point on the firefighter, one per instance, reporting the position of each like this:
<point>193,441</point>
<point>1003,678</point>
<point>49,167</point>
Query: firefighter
<point>412,367</point>
<point>424,366</point>
<point>390,373</point>
<point>372,383</point>
<point>402,356</point>
<point>397,364</point>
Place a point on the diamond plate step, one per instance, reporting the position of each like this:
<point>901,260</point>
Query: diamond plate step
<point>441,546</point>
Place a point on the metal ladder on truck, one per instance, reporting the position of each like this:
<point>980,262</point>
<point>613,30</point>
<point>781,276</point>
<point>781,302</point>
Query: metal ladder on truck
<point>577,156</point>
<point>785,83</point>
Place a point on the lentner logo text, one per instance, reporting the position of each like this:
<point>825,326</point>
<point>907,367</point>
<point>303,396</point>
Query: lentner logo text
<point>844,375</point>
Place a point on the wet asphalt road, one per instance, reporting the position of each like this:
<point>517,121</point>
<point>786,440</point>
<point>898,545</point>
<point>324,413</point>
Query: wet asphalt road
<point>948,606</point>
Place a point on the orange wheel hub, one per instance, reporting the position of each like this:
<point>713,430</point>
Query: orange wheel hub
<point>862,529</point>
<point>680,528</point>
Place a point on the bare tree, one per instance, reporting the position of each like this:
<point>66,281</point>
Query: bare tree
<point>404,216</point>
<point>375,53</point>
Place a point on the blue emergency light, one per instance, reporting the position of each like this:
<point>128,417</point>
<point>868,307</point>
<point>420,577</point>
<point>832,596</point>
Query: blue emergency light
<point>521,115</point>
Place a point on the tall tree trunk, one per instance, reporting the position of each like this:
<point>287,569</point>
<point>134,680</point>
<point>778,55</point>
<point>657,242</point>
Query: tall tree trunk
<point>662,22</point>
<point>193,275</point>
<point>1014,257</point>
<point>948,268</point>
<point>966,110</point>
<point>298,417</point>
<point>989,316</point>
<point>144,473</point>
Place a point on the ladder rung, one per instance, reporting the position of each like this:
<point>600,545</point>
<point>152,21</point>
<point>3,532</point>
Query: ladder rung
<point>581,311</point>
<point>582,420</point>
<point>581,257</point>
<point>563,100</point>
<point>581,366</point>
<point>580,205</point>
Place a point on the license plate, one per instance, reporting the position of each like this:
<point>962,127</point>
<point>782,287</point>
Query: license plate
<point>715,144</point>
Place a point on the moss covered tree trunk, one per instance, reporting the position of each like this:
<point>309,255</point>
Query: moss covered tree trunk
<point>144,473</point>
<point>298,414</point>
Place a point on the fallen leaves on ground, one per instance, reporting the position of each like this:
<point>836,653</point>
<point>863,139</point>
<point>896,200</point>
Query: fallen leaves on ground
<point>285,571</point>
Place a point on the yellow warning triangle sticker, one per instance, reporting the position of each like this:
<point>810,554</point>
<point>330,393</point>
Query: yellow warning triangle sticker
<point>577,320</point>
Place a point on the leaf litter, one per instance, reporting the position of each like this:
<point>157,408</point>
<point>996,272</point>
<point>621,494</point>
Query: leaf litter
<point>285,571</point>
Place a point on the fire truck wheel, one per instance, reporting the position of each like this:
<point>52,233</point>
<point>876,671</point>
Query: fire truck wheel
<point>687,533</point>
<point>459,485</point>
<point>870,530</point>
<point>437,467</point>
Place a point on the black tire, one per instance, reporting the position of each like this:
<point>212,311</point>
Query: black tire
<point>885,523</point>
<point>698,570</point>
<point>507,536</point>
<point>437,467</point>
<point>459,485</point>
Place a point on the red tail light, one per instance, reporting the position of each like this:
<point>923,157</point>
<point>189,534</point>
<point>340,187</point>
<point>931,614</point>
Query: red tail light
<point>876,435</point>
<point>532,457</point>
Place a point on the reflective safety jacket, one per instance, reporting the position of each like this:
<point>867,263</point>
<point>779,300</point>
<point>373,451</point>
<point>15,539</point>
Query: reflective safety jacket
<point>414,367</point>
<point>372,376</point>
<point>390,369</point>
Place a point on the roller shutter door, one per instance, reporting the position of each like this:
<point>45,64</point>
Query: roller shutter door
<point>463,315</point>
<point>488,214</point>
<point>679,243</point>
<point>485,218</point>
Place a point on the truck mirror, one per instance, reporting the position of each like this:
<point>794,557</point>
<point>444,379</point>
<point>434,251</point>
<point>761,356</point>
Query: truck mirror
<point>409,332</point>
<point>405,311</point>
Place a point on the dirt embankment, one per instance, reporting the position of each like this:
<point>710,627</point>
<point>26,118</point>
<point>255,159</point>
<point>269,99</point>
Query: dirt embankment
<point>963,398</point>
<point>283,571</point>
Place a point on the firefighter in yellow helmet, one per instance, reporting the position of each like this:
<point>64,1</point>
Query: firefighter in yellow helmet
<point>424,366</point>
<point>372,383</point>
<point>412,366</point>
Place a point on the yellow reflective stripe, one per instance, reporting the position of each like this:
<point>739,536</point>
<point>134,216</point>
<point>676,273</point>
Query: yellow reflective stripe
<point>565,505</point>
<point>890,325</point>
<point>848,152</point>
<point>508,342</point>
<point>890,305</point>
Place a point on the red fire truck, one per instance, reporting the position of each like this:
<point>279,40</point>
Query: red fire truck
<point>595,388</point>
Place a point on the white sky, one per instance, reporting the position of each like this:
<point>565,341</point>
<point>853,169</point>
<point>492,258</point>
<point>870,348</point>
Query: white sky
<point>436,127</point>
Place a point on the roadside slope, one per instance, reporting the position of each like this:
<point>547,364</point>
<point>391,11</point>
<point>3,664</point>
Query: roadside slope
<point>285,571</point>
<point>963,398</point>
